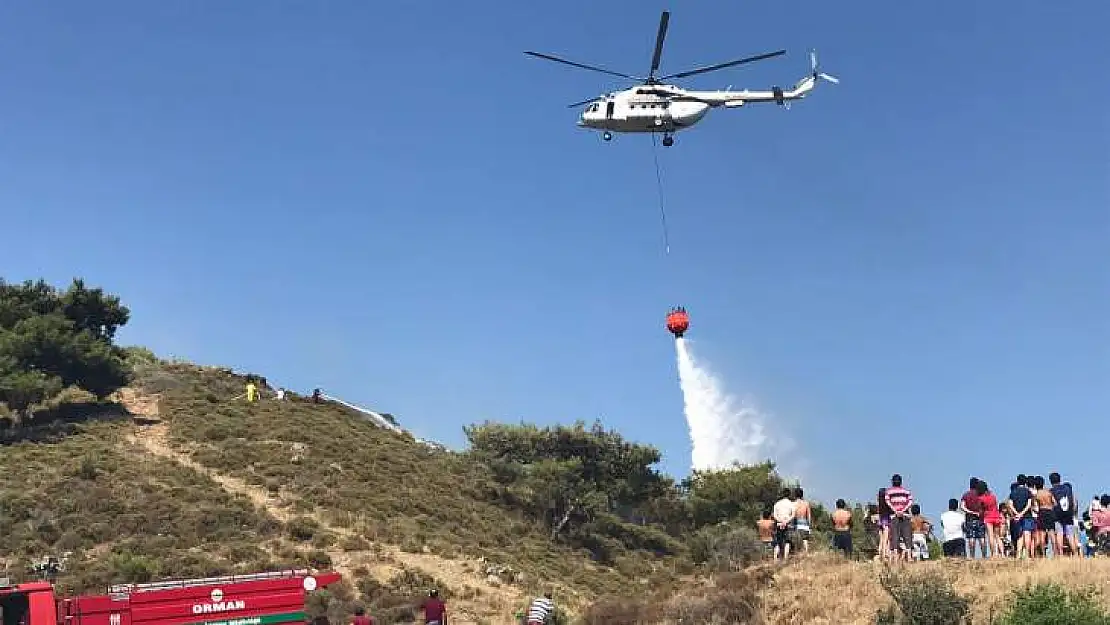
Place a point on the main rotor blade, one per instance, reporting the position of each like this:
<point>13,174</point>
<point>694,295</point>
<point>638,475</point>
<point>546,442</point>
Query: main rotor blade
<point>581,102</point>
<point>712,68</point>
<point>664,20</point>
<point>582,65</point>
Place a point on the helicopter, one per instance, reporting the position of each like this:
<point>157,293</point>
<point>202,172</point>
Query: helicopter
<point>655,106</point>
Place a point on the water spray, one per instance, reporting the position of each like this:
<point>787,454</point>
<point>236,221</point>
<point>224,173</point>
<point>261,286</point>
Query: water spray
<point>722,431</point>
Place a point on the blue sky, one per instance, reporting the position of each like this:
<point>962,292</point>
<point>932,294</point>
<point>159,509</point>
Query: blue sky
<point>908,270</point>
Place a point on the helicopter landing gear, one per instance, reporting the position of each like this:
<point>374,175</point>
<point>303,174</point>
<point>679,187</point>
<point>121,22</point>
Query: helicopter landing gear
<point>668,140</point>
<point>608,136</point>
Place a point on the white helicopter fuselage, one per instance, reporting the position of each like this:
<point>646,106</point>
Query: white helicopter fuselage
<point>629,111</point>
<point>669,109</point>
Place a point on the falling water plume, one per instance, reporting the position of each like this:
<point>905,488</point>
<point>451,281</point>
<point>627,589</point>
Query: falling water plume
<point>723,432</point>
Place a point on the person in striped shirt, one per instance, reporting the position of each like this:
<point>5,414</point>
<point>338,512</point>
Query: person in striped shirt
<point>539,612</point>
<point>901,532</point>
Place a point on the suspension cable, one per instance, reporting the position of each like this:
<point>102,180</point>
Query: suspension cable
<point>659,187</point>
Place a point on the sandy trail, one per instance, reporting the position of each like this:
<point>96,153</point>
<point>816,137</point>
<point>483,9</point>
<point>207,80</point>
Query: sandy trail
<point>492,602</point>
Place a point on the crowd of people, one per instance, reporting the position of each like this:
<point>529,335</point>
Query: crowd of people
<point>1036,519</point>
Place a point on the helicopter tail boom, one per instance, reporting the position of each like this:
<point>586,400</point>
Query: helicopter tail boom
<point>734,99</point>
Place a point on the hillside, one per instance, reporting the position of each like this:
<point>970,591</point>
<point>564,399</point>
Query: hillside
<point>177,477</point>
<point>130,468</point>
<point>363,495</point>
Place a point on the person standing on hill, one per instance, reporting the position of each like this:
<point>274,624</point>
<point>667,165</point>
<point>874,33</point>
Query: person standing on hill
<point>783,513</point>
<point>252,392</point>
<point>952,529</point>
<point>992,520</point>
<point>842,528</point>
<point>1046,519</point>
<point>766,528</point>
<point>922,528</point>
<point>361,618</point>
<point>884,525</point>
<point>1064,512</point>
<point>435,610</point>
<point>974,529</point>
<point>1021,506</point>
<point>803,518</point>
<point>901,533</point>
<point>1100,526</point>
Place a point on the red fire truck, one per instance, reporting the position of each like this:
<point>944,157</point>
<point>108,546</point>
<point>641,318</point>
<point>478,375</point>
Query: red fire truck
<point>256,599</point>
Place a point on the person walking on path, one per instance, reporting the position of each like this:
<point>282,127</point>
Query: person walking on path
<point>435,610</point>
<point>361,618</point>
<point>541,609</point>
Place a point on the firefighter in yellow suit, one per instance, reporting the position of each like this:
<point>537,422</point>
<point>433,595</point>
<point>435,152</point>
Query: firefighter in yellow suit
<point>252,392</point>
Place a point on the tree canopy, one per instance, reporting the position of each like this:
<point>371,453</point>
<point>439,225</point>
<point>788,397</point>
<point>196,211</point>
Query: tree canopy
<point>594,489</point>
<point>51,339</point>
<point>588,486</point>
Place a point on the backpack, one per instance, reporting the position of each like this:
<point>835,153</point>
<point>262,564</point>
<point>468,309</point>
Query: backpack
<point>1065,500</point>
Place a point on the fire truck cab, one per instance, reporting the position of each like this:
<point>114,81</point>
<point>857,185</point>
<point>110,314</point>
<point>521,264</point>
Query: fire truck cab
<point>271,598</point>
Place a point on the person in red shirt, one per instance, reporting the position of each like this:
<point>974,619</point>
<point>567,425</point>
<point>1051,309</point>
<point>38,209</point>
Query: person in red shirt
<point>992,519</point>
<point>361,618</point>
<point>974,526</point>
<point>435,611</point>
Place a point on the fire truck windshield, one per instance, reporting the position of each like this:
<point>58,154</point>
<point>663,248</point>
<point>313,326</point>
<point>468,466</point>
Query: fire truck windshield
<point>13,608</point>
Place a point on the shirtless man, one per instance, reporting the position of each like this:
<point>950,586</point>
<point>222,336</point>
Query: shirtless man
<point>803,520</point>
<point>1046,518</point>
<point>842,528</point>
<point>922,528</point>
<point>766,527</point>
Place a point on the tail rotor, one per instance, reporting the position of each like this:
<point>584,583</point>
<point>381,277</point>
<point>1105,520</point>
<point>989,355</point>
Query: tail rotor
<point>816,70</point>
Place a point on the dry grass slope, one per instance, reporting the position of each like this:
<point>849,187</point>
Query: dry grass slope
<point>358,486</point>
<point>86,495</point>
<point>825,589</point>
<point>188,482</point>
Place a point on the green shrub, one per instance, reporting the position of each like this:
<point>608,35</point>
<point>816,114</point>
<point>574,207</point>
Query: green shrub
<point>616,610</point>
<point>936,550</point>
<point>302,528</point>
<point>1053,604</point>
<point>926,598</point>
<point>725,547</point>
